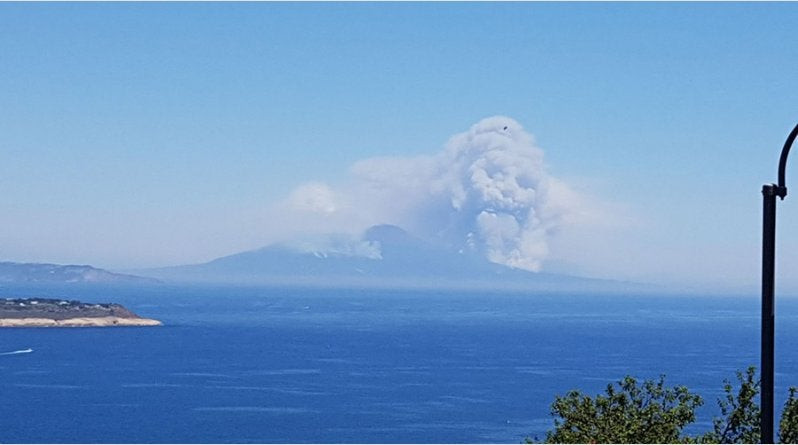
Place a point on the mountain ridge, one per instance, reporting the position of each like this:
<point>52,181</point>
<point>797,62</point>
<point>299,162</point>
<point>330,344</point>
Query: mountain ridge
<point>11,272</point>
<point>385,255</point>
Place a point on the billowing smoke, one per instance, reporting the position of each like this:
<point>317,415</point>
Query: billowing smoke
<point>487,192</point>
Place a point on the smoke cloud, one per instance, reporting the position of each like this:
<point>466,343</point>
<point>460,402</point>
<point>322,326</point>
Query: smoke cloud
<point>487,192</point>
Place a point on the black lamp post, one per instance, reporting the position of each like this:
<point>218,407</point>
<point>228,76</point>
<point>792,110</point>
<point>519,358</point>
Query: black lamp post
<point>769,194</point>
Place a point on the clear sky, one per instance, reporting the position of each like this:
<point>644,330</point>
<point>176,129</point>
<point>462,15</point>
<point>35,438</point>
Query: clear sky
<point>136,135</point>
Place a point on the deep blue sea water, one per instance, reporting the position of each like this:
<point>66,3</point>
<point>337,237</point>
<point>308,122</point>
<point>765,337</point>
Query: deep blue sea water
<point>310,365</point>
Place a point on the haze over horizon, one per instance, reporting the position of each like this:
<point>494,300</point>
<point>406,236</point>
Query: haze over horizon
<point>617,141</point>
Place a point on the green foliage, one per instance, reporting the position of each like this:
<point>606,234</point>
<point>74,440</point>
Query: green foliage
<point>740,413</point>
<point>654,413</point>
<point>788,426</point>
<point>630,413</point>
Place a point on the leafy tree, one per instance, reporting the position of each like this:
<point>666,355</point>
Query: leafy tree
<point>654,413</point>
<point>628,413</point>
<point>788,426</point>
<point>740,413</point>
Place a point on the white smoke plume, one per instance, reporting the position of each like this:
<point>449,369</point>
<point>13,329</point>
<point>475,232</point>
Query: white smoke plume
<point>488,192</point>
<point>337,245</point>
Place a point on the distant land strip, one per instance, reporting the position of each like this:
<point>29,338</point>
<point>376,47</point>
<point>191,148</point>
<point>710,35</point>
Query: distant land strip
<point>48,312</point>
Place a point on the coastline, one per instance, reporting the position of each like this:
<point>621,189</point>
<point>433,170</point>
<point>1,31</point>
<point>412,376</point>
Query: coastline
<point>78,322</point>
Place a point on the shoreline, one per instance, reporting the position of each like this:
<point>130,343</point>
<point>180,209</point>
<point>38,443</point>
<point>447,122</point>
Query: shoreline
<point>78,322</point>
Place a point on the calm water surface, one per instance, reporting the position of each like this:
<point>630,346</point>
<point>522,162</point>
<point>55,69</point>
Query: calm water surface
<point>294,365</point>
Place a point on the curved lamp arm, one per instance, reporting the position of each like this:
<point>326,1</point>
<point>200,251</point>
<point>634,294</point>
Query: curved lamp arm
<point>781,191</point>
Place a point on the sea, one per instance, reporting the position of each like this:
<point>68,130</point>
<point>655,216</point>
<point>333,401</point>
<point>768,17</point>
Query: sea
<point>309,365</point>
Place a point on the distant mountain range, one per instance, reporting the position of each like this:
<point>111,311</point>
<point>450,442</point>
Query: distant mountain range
<point>56,273</point>
<point>384,256</point>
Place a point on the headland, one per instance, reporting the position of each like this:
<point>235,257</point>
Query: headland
<point>49,312</point>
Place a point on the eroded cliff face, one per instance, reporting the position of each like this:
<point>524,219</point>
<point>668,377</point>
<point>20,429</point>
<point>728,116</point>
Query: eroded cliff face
<point>48,312</point>
<point>76,322</point>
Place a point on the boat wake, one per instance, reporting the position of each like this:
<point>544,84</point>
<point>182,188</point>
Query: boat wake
<point>21,351</point>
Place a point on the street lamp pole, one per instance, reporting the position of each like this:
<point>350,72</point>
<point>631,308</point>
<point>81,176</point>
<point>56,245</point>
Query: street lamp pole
<point>769,194</point>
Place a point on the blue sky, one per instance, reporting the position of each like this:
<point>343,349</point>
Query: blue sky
<point>137,135</point>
